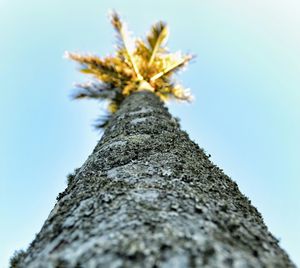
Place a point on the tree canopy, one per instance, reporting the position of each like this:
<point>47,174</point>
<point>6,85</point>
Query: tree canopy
<point>137,65</point>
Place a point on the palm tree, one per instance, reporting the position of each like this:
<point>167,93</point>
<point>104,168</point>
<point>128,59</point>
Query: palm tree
<point>148,196</point>
<point>147,66</point>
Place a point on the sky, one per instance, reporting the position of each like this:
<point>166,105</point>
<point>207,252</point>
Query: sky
<point>246,112</point>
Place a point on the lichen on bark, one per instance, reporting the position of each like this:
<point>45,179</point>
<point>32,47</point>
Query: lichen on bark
<point>148,196</point>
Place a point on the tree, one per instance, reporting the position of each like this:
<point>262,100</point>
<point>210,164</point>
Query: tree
<point>149,66</point>
<point>148,196</point>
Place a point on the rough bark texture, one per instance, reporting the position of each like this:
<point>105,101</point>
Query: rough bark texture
<point>150,197</point>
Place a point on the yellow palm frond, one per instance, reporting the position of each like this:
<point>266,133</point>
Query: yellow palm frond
<point>129,88</point>
<point>124,38</point>
<point>157,36</point>
<point>109,70</point>
<point>181,93</point>
<point>142,51</point>
<point>113,107</point>
<point>172,66</point>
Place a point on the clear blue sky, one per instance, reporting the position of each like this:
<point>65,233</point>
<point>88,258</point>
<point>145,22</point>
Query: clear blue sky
<point>246,113</point>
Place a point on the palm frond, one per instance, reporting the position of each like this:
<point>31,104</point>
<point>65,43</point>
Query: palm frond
<point>157,36</point>
<point>113,106</point>
<point>123,36</point>
<point>109,70</point>
<point>129,88</point>
<point>173,66</point>
<point>102,122</point>
<point>141,50</point>
<point>181,93</point>
<point>94,90</point>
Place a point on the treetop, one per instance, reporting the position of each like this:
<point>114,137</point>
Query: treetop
<point>137,65</point>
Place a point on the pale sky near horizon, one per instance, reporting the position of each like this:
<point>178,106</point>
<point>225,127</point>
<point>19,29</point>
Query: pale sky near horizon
<point>246,110</point>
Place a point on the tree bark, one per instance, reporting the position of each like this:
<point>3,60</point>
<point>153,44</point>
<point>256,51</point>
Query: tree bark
<point>150,197</point>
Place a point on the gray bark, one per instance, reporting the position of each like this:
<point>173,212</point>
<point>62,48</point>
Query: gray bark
<point>150,197</point>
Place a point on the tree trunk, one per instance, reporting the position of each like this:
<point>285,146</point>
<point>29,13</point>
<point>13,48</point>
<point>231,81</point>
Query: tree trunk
<point>149,197</point>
